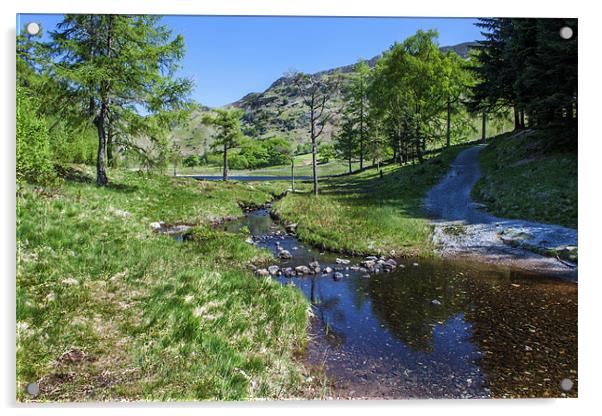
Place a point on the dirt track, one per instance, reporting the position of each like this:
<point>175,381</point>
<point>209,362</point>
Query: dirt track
<point>462,229</point>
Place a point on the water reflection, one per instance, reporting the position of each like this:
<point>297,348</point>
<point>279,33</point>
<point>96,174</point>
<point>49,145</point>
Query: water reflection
<point>439,329</point>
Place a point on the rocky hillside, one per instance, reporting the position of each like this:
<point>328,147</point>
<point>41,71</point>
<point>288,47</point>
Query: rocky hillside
<point>278,111</point>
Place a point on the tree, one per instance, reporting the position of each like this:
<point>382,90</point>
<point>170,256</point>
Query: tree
<point>33,159</point>
<point>524,64</point>
<point>409,89</point>
<point>316,92</point>
<point>357,105</point>
<point>227,124</point>
<point>345,141</point>
<point>120,70</point>
<point>457,81</point>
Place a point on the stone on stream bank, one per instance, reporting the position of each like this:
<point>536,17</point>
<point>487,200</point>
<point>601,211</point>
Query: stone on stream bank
<point>302,270</point>
<point>285,255</point>
<point>262,272</point>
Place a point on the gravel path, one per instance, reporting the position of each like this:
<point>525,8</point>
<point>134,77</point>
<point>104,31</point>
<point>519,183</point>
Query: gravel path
<point>463,230</point>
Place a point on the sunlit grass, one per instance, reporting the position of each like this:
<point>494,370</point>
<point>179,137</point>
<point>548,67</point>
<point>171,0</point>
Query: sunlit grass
<point>522,179</point>
<point>156,319</point>
<point>367,214</point>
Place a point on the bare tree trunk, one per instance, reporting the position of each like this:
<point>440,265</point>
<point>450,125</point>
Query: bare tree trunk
<point>225,162</point>
<point>516,118</point>
<point>314,160</point>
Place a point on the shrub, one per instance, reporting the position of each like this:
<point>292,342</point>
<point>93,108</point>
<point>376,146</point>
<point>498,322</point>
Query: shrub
<point>34,156</point>
<point>191,161</point>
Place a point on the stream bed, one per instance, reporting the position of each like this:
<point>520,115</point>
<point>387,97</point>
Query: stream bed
<point>430,328</point>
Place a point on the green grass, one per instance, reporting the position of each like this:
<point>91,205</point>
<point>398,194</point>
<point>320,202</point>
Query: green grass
<point>532,176</point>
<point>366,214</point>
<point>156,319</point>
<point>302,168</point>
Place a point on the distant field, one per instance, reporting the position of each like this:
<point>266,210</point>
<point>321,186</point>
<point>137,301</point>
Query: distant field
<point>302,168</point>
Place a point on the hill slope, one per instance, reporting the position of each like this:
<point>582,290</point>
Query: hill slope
<point>277,111</point>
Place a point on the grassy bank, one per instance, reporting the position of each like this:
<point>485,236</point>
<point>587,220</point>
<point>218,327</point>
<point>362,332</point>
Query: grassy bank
<point>109,310</point>
<point>365,213</point>
<point>530,175</point>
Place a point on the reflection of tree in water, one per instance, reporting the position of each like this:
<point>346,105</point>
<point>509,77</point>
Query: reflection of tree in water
<point>334,338</point>
<point>403,302</point>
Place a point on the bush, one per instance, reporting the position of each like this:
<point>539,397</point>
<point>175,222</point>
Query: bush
<point>34,156</point>
<point>237,161</point>
<point>191,161</point>
<point>73,146</point>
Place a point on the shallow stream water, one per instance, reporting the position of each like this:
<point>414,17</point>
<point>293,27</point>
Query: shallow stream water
<point>431,328</point>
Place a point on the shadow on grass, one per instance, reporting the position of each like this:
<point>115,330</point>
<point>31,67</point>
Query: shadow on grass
<point>71,174</point>
<point>401,186</point>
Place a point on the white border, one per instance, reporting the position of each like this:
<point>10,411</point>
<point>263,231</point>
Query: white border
<point>590,152</point>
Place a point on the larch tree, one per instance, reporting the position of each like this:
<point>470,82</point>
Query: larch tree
<point>229,135</point>
<point>120,72</point>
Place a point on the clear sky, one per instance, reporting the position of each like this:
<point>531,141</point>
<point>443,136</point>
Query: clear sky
<point>231,56</point>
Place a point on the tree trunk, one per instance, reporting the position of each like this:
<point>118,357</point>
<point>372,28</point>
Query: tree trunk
<point>109,148</point>
<point>418,144</point>
<point>484,133</point>
<point>516,118</point>
<point>225,162</point>
<point>362,134</point>
<point>314,160</point>
<point>522,119</point>
<point>101,175</point>
<point>349,161</point>
<point>101,119</point>
<point>293,174</point>
<point>448,122</point>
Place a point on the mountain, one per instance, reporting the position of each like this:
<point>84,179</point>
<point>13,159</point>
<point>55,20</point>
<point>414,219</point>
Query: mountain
<point>278,111</point>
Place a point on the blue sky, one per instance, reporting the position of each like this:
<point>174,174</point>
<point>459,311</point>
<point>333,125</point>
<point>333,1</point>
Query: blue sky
<point>230,56</point>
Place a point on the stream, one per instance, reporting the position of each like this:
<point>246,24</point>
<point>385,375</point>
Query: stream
<point>430,328</point>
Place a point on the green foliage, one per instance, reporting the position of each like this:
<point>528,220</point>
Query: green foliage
<point>524,64</point>
<point>414,84</point>
<point>34,156</point>
<point>229,135</point>
<point>326,152</point>
<point>191,161</point>
<point>116,73</point>
<point>73,146</point>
